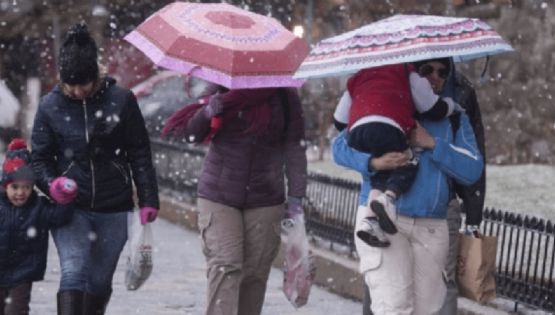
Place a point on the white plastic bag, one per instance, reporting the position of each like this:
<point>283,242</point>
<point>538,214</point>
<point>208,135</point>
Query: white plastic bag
<point>139,260</point>
<point>299,270</point>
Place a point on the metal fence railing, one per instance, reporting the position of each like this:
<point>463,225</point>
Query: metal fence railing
<point>525,258</point>
<point>525,250</point>
<point>331,205</point>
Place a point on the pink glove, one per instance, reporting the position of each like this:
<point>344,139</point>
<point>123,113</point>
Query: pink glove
<point>148,214</point>
<point>63,190</point>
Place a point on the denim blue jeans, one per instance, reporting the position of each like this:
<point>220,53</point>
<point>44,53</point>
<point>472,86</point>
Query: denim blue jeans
<point>89,248</point>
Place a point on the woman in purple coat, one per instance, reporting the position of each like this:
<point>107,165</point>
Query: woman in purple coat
<point>256,141</point>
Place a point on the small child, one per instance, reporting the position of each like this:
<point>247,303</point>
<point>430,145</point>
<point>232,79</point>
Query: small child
<point>381,104</point>
<point>25,219</point>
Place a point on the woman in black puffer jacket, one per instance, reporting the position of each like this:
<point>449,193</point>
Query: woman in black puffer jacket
<point>92,131</point>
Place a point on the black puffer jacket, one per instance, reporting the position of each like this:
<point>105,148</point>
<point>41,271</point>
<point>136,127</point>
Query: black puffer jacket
<point>101,143</point>
<point>472,196</point>
<point>24,238</point>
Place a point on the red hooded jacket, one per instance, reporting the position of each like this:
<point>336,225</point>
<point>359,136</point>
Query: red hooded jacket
<point>383,91</point>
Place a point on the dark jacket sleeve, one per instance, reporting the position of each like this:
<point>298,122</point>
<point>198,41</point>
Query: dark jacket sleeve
<point>43,152</point>
<point>139,155</point>
<point>295,151</point>
<point>473,196</point>
<point>54,215</point>
<point>339,125</point>
<point>438,111</point>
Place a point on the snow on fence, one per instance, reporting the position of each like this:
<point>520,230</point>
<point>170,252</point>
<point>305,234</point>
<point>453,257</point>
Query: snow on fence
<point>525,250</point>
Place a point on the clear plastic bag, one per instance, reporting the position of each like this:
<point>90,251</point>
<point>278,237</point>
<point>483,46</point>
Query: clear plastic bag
<point>299,269</point>
<point>139,260</point>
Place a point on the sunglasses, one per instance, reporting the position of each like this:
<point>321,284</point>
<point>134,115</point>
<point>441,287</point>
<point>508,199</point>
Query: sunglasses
<point>427,69</point>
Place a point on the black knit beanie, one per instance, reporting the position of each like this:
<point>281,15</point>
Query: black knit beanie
<point>78,57</point>
<point>16,165</point>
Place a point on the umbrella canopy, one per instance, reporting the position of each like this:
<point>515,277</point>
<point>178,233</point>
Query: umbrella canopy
<point>222,44</point>
<point>399,39</point>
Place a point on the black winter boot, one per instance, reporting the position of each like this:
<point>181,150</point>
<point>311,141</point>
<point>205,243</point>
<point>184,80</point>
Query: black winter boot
<point>70,302</point>
<point>94,304</point>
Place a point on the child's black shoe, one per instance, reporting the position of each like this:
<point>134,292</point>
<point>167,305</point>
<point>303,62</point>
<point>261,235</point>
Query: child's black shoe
<point>379,206</point>
<point>371,233</point>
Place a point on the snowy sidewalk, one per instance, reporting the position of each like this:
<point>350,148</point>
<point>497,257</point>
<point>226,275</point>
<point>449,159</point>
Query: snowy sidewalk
<point>178,284</point>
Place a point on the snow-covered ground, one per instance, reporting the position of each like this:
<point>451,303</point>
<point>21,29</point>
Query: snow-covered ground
<point>526,189</point>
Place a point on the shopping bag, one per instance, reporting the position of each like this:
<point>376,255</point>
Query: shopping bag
<point>476,267</point>
<point>139,260</point>
<point>299,270</point>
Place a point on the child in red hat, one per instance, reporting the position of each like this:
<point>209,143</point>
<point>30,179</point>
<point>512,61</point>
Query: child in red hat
<point>25,219</point>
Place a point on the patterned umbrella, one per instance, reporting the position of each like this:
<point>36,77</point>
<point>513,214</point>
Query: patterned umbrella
<point>222,44</point>
<point>399,39</point>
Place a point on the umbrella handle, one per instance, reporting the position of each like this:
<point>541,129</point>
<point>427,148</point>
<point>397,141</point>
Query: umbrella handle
<point>485,67</point>
<point>187,81</point>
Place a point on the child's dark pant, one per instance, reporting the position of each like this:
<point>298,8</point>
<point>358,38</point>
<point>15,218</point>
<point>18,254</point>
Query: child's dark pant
<point>377,139</point>
<point>15,301</point>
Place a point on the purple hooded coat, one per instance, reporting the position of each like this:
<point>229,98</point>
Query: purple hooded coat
<point>246,169</point>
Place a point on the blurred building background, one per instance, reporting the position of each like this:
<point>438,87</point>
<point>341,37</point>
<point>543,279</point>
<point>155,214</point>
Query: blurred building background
<point>516,93</point>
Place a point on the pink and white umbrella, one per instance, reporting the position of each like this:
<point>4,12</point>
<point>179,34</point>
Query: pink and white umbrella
<point>222,44</point>
<point>400,39</point>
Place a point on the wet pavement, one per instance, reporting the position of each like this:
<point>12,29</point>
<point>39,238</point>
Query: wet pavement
<point>178,284</point>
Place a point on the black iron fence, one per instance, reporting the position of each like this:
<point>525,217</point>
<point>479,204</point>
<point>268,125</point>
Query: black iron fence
<point>331,206</point>
<point>525,257</point>
<point>525,252</point>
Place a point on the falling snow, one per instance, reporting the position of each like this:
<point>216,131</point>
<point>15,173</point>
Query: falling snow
<point>516,98</point>
<point>32,232</point>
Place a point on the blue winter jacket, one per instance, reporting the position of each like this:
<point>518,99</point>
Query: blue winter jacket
<point>453,157</point>
<point>24,238</point>
<point>346,156</point>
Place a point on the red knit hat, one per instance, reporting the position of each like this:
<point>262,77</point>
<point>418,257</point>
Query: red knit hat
<point>15,166</point>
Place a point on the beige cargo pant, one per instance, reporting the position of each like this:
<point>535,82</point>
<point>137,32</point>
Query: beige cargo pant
<point>406,278</point>
<point>239,246</point>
